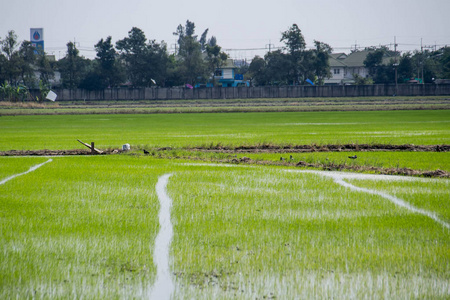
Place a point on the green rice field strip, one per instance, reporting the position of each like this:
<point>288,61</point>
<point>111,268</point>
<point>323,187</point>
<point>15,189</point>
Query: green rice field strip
<point>414,160</point>
<point>87,227</point>
<point>233,129</point>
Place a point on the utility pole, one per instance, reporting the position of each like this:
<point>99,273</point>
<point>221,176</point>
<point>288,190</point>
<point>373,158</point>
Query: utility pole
<point>269,45</point>
<point>395,65</point>
<point>422,60</point>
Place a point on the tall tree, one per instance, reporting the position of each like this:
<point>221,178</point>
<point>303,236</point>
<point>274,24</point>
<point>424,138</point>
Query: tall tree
<point>10,58</point>
<point>279,70</point>
<point>107,67</point>
<point>321,62</point>
<point>295,46</point>
<point>405,68</point>
<point>191,65</point>
<point>144,60</point>
<point>25,62</point>
<point>215,57</point>
<point>73,67</point>
<point>257,70</point>
<point>45,69</point>
<point>445,63</point>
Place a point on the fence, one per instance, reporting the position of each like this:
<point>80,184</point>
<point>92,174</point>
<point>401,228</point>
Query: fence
<point>178,93</point>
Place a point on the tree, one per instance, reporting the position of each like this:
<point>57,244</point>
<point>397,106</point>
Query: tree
<point>257,70</point>
<point>321,62</point>
<point>10,58</point>
<point>191,65</point>
<point>73,68</point>
<point>26,60</point>
<point>380,72</point>
<point>445,63</point>
<point>144,60</point>
<point>45,69</point>
<point>108,69</point>
<point>405,70</point>
<point>215,57</point>
<point>295,46</point>
<point>279,69</point>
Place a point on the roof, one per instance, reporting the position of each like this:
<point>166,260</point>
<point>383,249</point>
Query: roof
<point>356,59</point>
<point>335,62</point>
<point>353,60</point>
<point>229,64</point>
<point>339,56</point>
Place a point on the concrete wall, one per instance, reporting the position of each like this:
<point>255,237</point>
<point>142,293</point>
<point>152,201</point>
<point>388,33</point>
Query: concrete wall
<point>178,93</point>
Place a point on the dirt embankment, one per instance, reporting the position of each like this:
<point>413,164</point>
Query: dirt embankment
<point>343,167</point>
<point>324,148</point>
<point>46,152</point>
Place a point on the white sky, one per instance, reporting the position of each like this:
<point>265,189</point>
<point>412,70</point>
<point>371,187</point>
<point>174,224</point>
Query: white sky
<point>236,24</point>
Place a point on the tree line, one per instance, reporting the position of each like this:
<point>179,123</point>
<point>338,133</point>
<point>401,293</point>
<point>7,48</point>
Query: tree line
<point>425,66</point>
<point>140,62</point>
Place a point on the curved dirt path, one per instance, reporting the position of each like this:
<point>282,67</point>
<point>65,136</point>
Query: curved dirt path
<point>164,286</point>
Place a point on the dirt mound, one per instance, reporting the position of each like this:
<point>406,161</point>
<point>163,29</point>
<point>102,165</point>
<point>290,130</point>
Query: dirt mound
<point>325,148</point>
<point>46,152</point>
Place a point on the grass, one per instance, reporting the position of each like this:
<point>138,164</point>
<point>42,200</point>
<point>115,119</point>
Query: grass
<point>183,130</point>
<point>84,227</point>
<point>259,232</point>
<point>226,105</point>
<point>79,228</point>
<point>423,161</point>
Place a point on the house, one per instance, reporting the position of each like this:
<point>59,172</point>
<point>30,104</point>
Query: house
<point>343,66</point>
<point>227,75</point>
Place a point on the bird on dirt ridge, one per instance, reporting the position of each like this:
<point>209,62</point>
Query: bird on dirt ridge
<point>146,152</point>
<point>353,157</point>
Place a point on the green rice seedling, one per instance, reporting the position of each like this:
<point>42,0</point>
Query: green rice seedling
<point>254,232</point>
<point>14,165</point>
<point>86,227</point>
<point>230,129</point>
<point>79,227</point>
<point>424,161</point>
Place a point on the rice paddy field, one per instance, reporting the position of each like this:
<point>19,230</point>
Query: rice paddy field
<point>88,226</point>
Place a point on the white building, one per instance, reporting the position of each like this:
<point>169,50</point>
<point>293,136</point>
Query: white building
<point>343,67</point>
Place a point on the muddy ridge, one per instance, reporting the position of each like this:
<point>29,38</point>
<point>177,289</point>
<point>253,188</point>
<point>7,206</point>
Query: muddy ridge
<point>323,148</point>
<point>343,167</point>
<point>46,152</point>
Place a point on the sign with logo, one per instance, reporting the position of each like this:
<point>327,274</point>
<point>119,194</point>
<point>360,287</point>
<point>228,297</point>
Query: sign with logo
<point>37,39</point>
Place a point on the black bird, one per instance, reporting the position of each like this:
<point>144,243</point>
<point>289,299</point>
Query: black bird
<point>353,157</point>
<point>146,152</point>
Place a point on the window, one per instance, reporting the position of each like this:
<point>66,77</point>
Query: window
<point>337,71</point>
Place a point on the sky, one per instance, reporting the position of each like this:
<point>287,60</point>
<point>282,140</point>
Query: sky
<point>242,28</point>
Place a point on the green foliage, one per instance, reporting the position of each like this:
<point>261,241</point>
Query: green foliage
<point>190,64</point>
<point>405,68</point>
<point>359,80</point>
<point>11,93</point>
<point>293,66</point>
<point>144,60</point>
<point>73,68</point>
<point>16,61</point>
<point>215,58</point>
<point>109,71</point>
